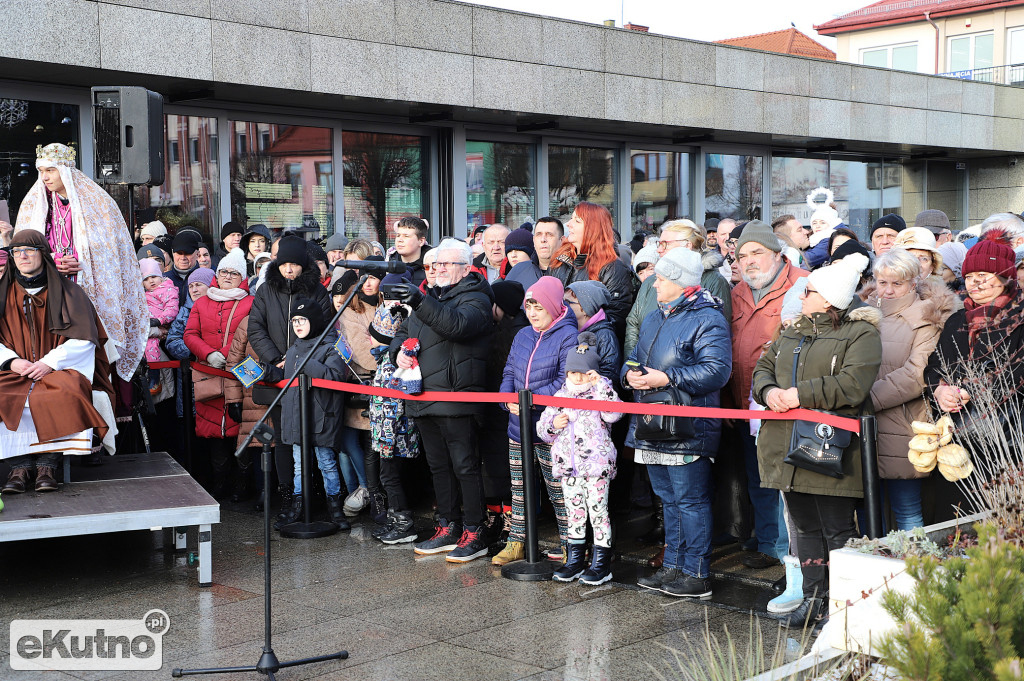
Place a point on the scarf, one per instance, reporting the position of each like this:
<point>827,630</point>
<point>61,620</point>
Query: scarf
<point>689,294</point>
<point>989,315</point>
<point>224,295</point>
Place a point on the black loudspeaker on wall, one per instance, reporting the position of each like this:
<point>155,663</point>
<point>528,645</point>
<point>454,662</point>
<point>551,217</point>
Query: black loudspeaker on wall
<point>128,125</point>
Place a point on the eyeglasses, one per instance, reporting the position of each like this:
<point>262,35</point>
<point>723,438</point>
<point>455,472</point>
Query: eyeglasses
<point>730,242</point>
<point>299,320</point>
<point>24,252</point>
<point>446,265</point>
<point>665,243</point>
<point>228,273</point>
<point>429,267</point>
<point>808,291</point>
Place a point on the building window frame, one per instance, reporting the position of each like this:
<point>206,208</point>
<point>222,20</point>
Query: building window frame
<point>888,49</point>
<point>972,64</point>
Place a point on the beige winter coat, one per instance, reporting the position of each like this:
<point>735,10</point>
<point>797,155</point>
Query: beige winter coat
<point>355,328</point>
<point>233,390</point>
<point>910,328</point>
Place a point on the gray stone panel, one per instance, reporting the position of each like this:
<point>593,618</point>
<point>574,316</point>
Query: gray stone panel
<point>978,98</point>
<point>1009,101</point>
<point>628,98</point>
<point>507,85</point>
<point>266,57</point>
<point>688,61</point>
<point>184,49</point>
<point>870,122</point>
<point>506,35</point>
<point>189,8</point>
<point>830,79</point>
<point>976,131</point>
<point>943,129</point>
<point>353,67</point>
<point>908,89</point>
<point>945,94</point>
<point>61,31</point>
<point>435,25</point>
<point>870,85</point>
<point>1008,134</point>
<point>688,104</point>
<point>291,15</point>
<point>567,43</point>
<point>739,68</point>
<point>361,19</point>
<point>738,109</point>
<point>829,118</point>
<point>435,77</point>
<point>572,92</point>
<point>908,126</point>
<point>632,53</point>
<point>789,76</point>
<point>785,114</point>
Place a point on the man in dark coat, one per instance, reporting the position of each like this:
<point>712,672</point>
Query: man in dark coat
<point>411,245</point>
<point>230,237</point>
<point>453,323</point>
<point>183,249</point>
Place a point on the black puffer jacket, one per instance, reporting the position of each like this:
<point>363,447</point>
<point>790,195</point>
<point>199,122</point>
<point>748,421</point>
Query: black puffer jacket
<point>615,276</point>
<point>328,405</point>
<point>270,329</point>
<point>454,328</point>
<point>414,268</point>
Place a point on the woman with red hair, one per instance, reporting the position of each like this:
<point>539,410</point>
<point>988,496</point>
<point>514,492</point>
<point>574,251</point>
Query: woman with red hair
<point>588,253</point>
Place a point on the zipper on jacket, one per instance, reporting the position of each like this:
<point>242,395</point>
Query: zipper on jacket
<point>536,345</point>
<point>832,369</point>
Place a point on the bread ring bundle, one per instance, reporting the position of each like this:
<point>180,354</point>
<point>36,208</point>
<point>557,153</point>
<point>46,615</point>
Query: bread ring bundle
<point>932,446</point>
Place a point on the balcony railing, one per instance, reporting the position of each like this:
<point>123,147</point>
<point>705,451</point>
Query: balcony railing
<point>1011,74</point>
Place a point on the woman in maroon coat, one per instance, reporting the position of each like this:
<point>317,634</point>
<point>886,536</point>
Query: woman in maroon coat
<point>211,327</point>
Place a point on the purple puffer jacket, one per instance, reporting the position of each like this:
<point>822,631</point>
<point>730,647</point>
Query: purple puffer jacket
<point>584,447</point>
<point>537,362</point>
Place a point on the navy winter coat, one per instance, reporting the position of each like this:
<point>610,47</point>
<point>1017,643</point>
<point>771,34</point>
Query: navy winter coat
<point>537,362</point>
<point>328,405</point>
<point>691,345</point>
<point>609,350</point>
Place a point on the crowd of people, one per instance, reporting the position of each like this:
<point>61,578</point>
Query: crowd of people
<point>738,314</point>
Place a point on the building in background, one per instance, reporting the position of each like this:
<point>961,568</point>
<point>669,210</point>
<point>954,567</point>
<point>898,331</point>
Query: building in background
<point>788,41</point>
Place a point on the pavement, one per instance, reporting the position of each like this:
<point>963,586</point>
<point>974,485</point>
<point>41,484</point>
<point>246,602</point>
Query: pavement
<point>400,616</point>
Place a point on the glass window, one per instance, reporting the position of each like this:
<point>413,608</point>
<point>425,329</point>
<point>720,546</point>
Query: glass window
<point>865,191</point>
<point>213,147</point>
<point>967,52</point>
<point>792,180</point>
<point>905,58</point>
<point>875,58</point>
<point>190,194</point>
<point>499,184</point>
<point>983,51</point>
<point>173,153</point>
<point>960,54</point>
<point>659,188</point>
<point>385,178</point>
<point>25,124</point>
<point>578,174</point>
<point>732,186</point>
<point>273,182</point>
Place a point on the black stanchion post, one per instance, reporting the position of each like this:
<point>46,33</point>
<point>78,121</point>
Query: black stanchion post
<point>534,568</point>
<point>307,528</point>
<point>869,468</point>
<point>187,407</point>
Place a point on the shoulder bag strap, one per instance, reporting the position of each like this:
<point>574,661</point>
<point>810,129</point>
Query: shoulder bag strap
<point>227,329</point>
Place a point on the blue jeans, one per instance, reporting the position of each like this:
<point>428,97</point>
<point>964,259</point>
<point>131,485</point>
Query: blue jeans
<point>350,459</point>
<point>769,522</point>
<point>905,502</point>
<point>685,493</point>
<point>328,467</point>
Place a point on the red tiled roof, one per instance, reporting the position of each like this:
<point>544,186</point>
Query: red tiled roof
<point>889,12</point>
<point>789,41</point>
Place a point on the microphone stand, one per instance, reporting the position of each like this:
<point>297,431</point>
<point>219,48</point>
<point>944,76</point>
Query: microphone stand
<point>268,663</point>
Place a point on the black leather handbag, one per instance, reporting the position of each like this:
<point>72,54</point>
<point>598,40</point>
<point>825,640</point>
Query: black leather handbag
<point>654,428</point>
<point>816,447</point>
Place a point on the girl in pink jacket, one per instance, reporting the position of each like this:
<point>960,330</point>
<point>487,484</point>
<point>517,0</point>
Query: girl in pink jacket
<point>162,301</point>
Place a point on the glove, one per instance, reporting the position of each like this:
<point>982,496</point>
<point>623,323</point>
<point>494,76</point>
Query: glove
<point>235,411</point>
<point>408,294</point>
<point>216,360</point>
<point>154,332</point>
<point>153,321</point>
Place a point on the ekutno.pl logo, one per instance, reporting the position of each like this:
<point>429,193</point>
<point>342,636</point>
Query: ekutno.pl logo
<point>69,645</point>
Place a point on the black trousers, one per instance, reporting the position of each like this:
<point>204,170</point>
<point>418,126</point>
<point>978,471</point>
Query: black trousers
<point>497,476</point>
<point>450,445</point>
<point>391,480</point>
<point>822,523</point>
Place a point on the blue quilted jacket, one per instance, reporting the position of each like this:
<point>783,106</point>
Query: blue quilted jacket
<point>537,362</point>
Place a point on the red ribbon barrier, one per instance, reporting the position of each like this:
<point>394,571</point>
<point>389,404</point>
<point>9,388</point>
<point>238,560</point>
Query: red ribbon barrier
<point>843,423</point>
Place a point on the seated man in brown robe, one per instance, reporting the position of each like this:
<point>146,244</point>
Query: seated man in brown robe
<point>52,366</point>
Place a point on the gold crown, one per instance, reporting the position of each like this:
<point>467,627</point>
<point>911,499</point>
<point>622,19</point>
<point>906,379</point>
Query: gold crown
<point>59,154</point>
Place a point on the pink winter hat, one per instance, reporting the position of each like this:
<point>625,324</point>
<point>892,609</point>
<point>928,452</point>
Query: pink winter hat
<point>150,268</point>
<point>548,291</point>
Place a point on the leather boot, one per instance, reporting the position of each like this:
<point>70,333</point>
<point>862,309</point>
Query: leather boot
<point>656,535</point>
<point>336,510</point>
<point>575,563</point>
<point>46,479</point>
<point>291,513</point>
<point>658,559</point>
<point>17,481</point>
<point>600,570</point>
<point>284,496</point>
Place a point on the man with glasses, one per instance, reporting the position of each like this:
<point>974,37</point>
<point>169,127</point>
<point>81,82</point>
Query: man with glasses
<point>453,323</point>
<point>936,222</point>
<point>55,388</point>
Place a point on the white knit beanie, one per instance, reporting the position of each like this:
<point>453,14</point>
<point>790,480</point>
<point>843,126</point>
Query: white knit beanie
<point>153,229</point>
<point>681,266</point>
<point>234,260</point>
<point>838,282</point>
<point>828,214</point>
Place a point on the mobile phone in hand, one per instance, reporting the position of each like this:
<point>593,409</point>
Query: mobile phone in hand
<point>636,366</point>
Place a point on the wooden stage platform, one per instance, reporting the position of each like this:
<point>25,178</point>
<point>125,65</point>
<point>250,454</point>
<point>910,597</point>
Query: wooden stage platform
<point>128,492</point>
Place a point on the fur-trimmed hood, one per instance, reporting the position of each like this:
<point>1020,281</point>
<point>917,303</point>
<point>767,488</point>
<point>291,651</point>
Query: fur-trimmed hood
<point>304,284</point>
<point>859,312</point>
<point>938,301</point>
<point>711,260</point>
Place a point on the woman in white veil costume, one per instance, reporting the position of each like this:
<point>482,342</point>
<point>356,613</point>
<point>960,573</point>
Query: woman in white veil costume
<point>98,242</point>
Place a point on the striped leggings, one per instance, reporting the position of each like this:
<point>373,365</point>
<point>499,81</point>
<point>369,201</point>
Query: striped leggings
<point>517,528</point>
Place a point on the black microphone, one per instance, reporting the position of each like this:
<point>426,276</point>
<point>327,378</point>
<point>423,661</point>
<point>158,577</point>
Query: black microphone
<point>372,266</point>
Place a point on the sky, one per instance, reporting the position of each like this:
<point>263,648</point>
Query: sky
<point>696,19</point>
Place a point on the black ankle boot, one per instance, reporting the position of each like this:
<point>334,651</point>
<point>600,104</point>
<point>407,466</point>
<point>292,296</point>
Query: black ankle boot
<point>575,563</point>
<point>284,496</point>
<point>600,570</point>
<point>291,513</point>
<point>808,615</point>
<point>336,509</point>
<point>656,535</point>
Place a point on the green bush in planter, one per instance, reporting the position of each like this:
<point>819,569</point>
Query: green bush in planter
<point>965,618</point>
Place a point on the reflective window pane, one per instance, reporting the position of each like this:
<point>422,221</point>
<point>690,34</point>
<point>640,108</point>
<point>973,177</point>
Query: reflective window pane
<point>960,54</point>
<point>865,191</point>
<point>385,178</point>
<point>875,58</point>
<point>905,58</point>
<point>25,124</point>
<point>499,184</point>
<point>983,51</point>
<point>275,179</point>
<point>578,174</point>
<point>659,188</point>
<point>792,180</point>
<point>732,186</point>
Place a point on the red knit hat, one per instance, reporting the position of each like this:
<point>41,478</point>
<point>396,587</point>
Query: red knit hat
<point>990,254</point>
